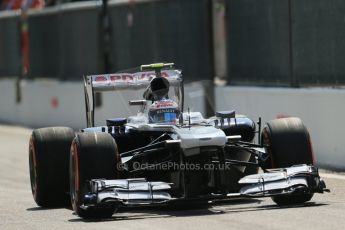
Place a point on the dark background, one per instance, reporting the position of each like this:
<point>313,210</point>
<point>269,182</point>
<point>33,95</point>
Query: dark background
<point>286,42</point>
<point>269,42</point>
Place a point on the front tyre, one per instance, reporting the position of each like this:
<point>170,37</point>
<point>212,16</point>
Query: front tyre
<point>92,156</point>
<point>288,143</point>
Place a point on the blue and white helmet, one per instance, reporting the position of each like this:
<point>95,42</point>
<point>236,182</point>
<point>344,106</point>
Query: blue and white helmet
<point>164,111</point>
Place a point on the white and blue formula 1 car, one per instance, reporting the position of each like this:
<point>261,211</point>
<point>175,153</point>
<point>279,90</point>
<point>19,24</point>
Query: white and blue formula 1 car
<point>164,154</point>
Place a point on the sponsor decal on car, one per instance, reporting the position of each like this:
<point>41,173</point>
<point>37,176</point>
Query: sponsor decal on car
<point>136,79</point>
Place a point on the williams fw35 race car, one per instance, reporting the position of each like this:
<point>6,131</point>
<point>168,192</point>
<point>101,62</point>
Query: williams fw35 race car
<point>166,154</point>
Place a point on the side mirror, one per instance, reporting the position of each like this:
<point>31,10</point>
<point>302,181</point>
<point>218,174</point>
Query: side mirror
<point>138,102</point>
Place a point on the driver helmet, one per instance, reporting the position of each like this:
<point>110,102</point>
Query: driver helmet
<point>164,111</point>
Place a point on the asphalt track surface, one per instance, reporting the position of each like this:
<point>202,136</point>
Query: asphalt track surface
<point>19,211</point>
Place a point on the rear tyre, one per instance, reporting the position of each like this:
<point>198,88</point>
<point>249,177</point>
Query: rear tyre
<point>92,156</point>
<point>288,143</point>
<point>48,164</point>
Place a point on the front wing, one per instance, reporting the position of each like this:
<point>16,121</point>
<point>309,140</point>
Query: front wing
<point>137,192</point>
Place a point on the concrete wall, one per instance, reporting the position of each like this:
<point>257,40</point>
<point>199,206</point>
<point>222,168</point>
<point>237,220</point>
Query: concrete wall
<point>53,103</point>
<point>322,111</point>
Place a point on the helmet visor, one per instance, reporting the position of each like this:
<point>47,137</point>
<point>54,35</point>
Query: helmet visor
<point>163,116</point>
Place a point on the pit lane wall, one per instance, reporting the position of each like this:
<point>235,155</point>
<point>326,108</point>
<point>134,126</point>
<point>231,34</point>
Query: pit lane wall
<point>59,103</point>
<point>322,111</point>
<point>56,103</point>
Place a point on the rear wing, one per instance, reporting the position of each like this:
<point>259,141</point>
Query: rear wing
<point>123,81</point>
<point>139,80</point>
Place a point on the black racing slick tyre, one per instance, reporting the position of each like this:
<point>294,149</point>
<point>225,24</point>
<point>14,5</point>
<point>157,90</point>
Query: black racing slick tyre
<point>49,164</point>
<point>288,143</point>
<point>92,156</point>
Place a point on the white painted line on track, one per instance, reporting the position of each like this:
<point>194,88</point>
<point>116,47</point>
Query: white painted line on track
<point>14,130</point>
<point>332,176</point>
